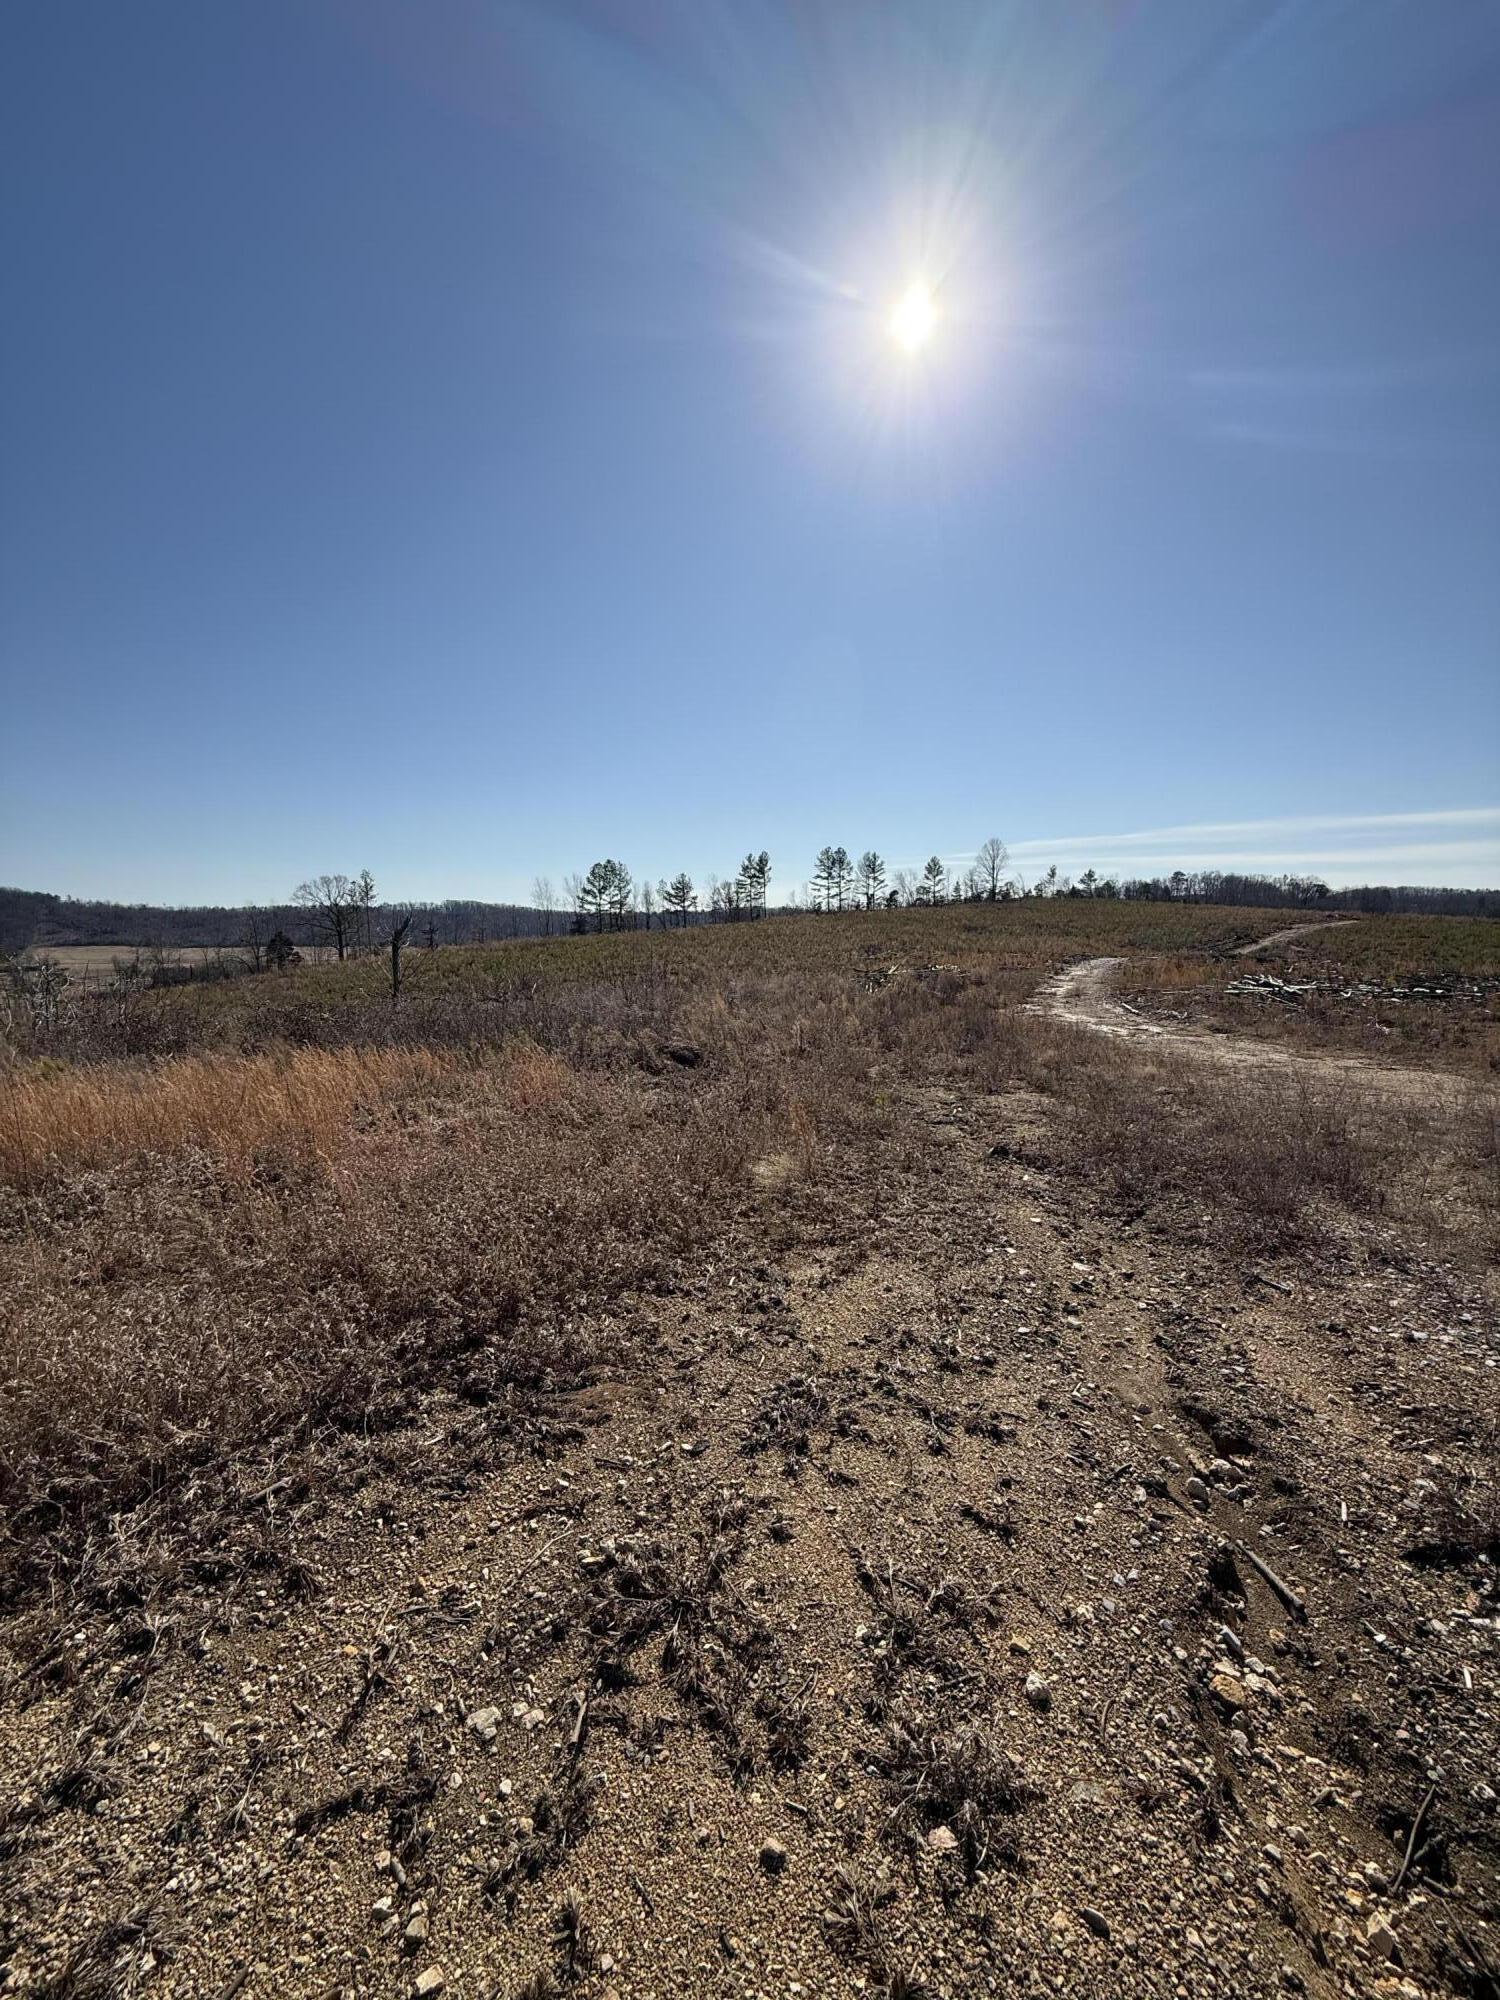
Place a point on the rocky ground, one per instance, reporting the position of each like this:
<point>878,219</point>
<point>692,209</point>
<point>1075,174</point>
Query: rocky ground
<point>987,1594</point>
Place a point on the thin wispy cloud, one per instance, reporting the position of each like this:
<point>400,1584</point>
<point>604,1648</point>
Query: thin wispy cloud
<point>1213,830</point>
<point>1458,846</point>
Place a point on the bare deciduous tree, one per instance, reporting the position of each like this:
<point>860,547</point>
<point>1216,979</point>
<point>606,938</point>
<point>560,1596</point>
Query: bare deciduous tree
<point>330,903</point>
<point>253,938</point>
<point>989,868</point>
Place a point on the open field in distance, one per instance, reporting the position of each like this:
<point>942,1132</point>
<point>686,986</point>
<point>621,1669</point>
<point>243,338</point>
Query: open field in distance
<point>95,964</point>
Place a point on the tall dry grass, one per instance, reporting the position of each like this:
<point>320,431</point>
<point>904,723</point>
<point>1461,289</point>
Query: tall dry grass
<point>295,1103</point>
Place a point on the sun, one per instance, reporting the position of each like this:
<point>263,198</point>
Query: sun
<point>914,318</point>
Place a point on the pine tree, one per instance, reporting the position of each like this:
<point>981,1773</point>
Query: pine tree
<point>871,877</point>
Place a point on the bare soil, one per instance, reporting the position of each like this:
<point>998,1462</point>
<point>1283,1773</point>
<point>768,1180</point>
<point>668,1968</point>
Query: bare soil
<point>780,1586</point>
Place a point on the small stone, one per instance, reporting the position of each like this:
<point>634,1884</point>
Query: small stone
<point>415,1934</point>
<point>1228,1690</point>
<point>485,1722</point>
<point>430,1982</point>
<point>1097,1922</point>
<point>1197,1492</point>
<point>1038,1691</point>
<point>1380,1937</point>
<point>942,1840</point>
<point>772,1856</point>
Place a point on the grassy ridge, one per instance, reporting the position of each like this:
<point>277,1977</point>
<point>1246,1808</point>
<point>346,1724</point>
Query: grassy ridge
<point>1032,936</point>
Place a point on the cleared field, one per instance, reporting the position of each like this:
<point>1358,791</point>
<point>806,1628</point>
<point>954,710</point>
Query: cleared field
<point>704,1462</point>
<point>96,963</point>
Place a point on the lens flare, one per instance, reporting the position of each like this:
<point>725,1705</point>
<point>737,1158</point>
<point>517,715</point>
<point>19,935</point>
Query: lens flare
<point>914,318</point>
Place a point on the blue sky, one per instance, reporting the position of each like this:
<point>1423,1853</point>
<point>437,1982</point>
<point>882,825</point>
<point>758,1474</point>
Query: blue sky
<point>466,439</point>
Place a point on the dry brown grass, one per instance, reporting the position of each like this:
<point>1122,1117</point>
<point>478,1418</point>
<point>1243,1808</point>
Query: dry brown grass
<point>296,1103</point>
<point>212,1262</point>
<point>417,1221</point>
<point>1255,1154</point>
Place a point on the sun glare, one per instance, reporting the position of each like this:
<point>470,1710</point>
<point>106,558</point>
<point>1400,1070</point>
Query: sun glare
<point>914,318</point>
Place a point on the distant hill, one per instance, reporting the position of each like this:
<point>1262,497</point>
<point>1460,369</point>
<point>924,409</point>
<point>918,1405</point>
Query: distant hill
<point>32,919</point>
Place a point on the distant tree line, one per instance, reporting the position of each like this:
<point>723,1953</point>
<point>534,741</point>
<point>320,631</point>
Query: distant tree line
<point>33,919</point>
<point>1234,890</point>
<point>342,915</point>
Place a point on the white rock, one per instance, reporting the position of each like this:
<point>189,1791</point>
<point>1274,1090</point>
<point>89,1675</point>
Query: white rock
<point>1038,1691</point>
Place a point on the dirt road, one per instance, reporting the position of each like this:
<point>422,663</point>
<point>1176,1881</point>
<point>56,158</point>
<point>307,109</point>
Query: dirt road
<point>1290,935</point>
<point>1083,996</point>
